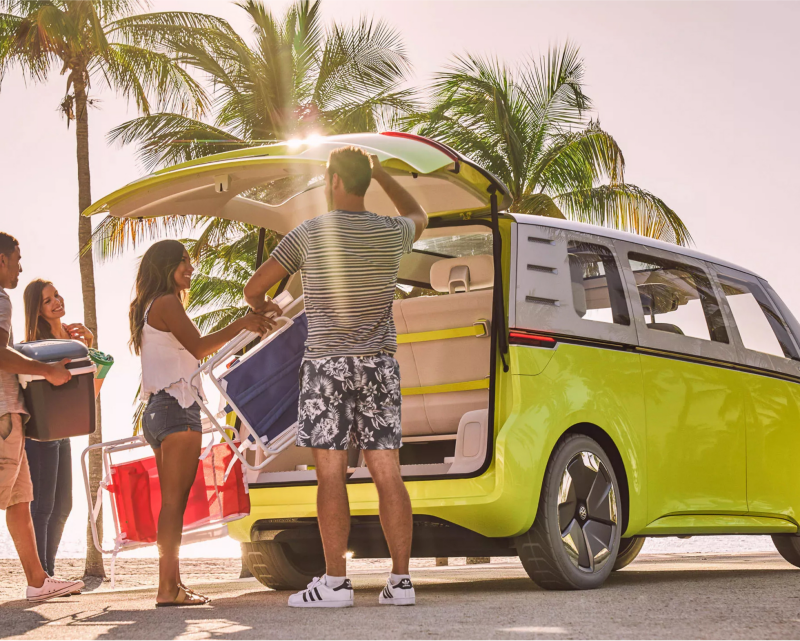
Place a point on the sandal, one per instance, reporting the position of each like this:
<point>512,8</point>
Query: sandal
<point>184,598</point>
<point>194,592</point>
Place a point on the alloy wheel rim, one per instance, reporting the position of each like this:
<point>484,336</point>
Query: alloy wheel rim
<point>587,512</point>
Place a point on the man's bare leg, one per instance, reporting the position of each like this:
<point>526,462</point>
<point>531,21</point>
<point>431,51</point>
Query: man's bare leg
<point>333,508</point>
<point>394,505</point>
<point>20,526</point>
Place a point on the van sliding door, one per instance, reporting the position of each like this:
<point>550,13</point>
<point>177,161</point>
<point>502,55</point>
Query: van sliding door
<point>694,401</point>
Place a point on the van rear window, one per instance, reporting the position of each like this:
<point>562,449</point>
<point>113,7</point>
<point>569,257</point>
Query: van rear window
<point>597,290</point>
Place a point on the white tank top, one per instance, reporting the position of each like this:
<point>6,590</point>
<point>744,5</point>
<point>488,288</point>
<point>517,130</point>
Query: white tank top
<point>166,365</point>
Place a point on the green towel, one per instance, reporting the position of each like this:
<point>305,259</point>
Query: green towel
<point>103,362</point>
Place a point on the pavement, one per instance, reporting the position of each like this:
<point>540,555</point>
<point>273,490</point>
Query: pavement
<point>658,596</point>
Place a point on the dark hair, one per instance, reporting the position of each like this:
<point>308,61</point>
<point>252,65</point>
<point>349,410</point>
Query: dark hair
<point>7,243</point>
<point>154,279</point>
<point>36,327</point>
<point>353,167</point>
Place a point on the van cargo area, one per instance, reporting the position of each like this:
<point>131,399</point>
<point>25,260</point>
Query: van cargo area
<point>443,315</point>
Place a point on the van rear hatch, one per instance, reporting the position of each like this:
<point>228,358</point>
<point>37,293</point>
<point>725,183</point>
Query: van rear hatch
<point>279,186</point>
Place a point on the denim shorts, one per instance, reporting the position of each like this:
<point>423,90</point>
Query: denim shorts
<point>164,416</point>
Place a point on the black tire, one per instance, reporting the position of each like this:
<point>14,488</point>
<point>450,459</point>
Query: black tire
<point>586,520</point>
<point>788,546</point>
<point>276,566</point>
<point>628,551</point>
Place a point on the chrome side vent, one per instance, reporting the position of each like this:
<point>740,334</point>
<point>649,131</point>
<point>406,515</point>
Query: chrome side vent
<point>543,301</point>
<point>541,241</point>
<point>542,269</point>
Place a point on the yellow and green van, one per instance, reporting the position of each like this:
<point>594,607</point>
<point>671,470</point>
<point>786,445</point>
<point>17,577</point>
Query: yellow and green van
<point>568,390</point>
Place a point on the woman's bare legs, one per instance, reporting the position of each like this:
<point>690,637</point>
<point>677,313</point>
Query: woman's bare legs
<point>177,468</point>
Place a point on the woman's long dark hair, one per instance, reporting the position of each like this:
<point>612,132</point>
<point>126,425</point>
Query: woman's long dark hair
<point>155,279</point>
<point>36,327</point>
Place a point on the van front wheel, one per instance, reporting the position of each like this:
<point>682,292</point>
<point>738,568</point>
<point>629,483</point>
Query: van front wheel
<point>276,566</point>
<point>575,537</point>
<point>788,546</point>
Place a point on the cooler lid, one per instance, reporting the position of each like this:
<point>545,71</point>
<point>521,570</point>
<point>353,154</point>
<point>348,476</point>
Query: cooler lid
<point>50,351</point>
<point>279,186</point>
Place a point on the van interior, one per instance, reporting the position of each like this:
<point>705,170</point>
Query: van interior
<point>442,313</point>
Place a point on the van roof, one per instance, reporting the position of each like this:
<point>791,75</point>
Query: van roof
<point>559,223</point>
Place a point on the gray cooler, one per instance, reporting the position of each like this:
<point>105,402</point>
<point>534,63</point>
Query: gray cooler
<point>59,411</point>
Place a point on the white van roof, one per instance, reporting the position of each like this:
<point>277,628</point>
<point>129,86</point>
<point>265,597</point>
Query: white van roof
<point>559,223</point>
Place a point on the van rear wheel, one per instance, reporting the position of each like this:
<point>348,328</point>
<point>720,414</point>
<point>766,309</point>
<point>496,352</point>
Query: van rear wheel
<point>574,540</point>
<point>628,551</point>
<point>788,546</point>
<point>276,566</point>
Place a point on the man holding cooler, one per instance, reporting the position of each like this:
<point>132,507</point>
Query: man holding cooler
<point>16,489</point>
<point>350,381</point>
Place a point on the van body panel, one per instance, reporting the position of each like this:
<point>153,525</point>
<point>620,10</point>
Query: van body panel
<point>586,385</point>
<point>699,524</point>
<point>696,437</point>
<point>773,441</point>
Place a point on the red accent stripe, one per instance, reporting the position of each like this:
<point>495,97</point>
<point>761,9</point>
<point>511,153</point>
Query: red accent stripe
<point>452,155</point>
<point>522,338</point>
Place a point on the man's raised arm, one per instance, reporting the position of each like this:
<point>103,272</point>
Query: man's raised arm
<point>403,201</point>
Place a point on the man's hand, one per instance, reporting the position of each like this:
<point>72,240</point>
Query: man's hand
<point>57,373</point>
<point>268,308</point>
<point>378,172</point>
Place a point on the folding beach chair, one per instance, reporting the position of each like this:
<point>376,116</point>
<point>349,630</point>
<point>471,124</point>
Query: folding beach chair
<point>262,387</point>
<point>217,496</point>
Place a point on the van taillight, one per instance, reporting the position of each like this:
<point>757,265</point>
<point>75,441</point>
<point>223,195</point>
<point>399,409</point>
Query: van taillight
<point>532,340</point>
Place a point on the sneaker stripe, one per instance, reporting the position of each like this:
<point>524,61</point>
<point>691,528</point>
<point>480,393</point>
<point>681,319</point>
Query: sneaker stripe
<point>317,593</point>
<point>304,597</point>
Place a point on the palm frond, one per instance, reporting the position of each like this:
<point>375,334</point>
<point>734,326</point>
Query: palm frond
<point>114,235</point>
<point>625,207</point>
<point>141,73</point>
<point>168,138</point>
<point>578,160</point>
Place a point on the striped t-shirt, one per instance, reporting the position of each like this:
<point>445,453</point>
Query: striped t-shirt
<point>348,262</point>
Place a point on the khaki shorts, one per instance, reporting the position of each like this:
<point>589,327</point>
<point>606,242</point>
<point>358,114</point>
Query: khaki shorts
<point>15,475</point>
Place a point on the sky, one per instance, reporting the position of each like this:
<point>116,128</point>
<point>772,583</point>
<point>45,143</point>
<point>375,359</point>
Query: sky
<point>702,98</point>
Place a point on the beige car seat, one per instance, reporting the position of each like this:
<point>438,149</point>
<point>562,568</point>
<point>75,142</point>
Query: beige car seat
<point>468,282</point>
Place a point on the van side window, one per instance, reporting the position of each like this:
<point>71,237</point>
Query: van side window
<point>597,290</point>
<point>677,298</point>
<point>760,326</point>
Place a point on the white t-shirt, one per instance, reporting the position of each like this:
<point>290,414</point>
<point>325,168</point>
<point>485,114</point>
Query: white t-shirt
<point>11,401</point>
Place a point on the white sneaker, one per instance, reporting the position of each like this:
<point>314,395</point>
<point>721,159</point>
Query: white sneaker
<point>320,595</point>
<point>399,594</point>
<point>52,588</point>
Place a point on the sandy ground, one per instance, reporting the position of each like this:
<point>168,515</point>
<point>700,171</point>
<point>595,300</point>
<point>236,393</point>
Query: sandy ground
<point>140,573</point>
<point>658,596</point>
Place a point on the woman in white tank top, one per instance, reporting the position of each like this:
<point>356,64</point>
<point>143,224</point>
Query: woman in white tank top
<point>170,346</point>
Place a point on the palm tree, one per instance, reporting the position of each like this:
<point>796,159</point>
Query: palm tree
<point>296,78</point>
<point>106,42</point>
<point>530,126</point>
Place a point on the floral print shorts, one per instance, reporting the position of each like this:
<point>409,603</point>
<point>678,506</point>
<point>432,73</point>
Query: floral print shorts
<point>350,402</point>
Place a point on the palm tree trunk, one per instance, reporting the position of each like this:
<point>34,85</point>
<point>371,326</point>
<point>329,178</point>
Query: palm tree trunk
<point>94,559</point>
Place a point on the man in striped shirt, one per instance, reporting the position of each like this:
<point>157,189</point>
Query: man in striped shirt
<point>350,382</point>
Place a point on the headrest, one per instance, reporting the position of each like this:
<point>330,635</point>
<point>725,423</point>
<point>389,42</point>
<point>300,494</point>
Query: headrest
<point>578,288</point>
<point>462,274</point>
